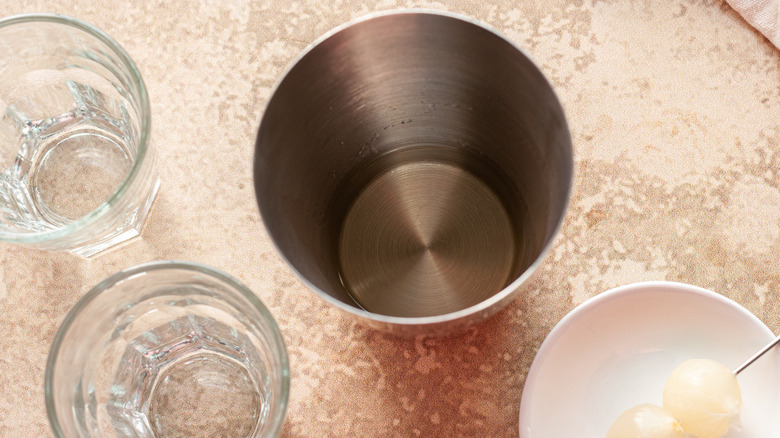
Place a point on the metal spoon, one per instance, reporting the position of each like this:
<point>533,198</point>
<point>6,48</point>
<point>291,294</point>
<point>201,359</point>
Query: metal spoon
<point>757,355</point>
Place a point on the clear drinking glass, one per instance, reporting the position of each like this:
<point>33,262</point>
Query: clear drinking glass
<point>77,172</point>
<point>167,349</point>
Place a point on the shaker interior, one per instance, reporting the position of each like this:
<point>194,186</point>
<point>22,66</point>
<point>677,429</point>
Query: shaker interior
<point>412,164</point>
<point>426,235</point>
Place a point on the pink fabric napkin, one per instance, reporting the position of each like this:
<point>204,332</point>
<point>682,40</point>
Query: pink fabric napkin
<point>764,15</point>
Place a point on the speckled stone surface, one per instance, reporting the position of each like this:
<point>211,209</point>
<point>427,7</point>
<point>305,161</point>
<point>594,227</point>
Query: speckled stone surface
<point>674,108</point>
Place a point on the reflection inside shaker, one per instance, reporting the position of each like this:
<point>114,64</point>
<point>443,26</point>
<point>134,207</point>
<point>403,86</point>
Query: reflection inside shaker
<point>428,234</point>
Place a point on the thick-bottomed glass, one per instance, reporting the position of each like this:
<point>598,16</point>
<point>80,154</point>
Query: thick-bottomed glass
<point>76,169</point>
<point>167,349</point>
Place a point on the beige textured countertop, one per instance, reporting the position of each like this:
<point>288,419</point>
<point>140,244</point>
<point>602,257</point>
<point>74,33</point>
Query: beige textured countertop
<point>674,108</point>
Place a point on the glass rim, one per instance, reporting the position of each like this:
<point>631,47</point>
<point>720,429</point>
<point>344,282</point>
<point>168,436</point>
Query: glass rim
<point>275,421</point>
<point>144,120</point>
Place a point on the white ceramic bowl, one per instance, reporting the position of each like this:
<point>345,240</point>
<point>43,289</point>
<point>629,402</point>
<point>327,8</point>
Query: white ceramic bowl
<point>617,349</point>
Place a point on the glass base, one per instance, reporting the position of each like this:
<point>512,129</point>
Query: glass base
<point>129,229</point>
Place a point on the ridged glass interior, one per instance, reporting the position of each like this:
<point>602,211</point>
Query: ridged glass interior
<point>74,126</point>
<point>168,349</point>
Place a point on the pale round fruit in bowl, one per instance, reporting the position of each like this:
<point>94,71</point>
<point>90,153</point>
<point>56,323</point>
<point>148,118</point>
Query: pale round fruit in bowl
<point>705,396</point>
<point>647,421</point>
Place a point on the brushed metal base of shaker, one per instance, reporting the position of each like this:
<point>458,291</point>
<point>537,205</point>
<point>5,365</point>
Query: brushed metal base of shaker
<point>425,238</point>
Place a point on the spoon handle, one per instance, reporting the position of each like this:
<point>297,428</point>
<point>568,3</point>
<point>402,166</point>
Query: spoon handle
<point>757,355</point>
